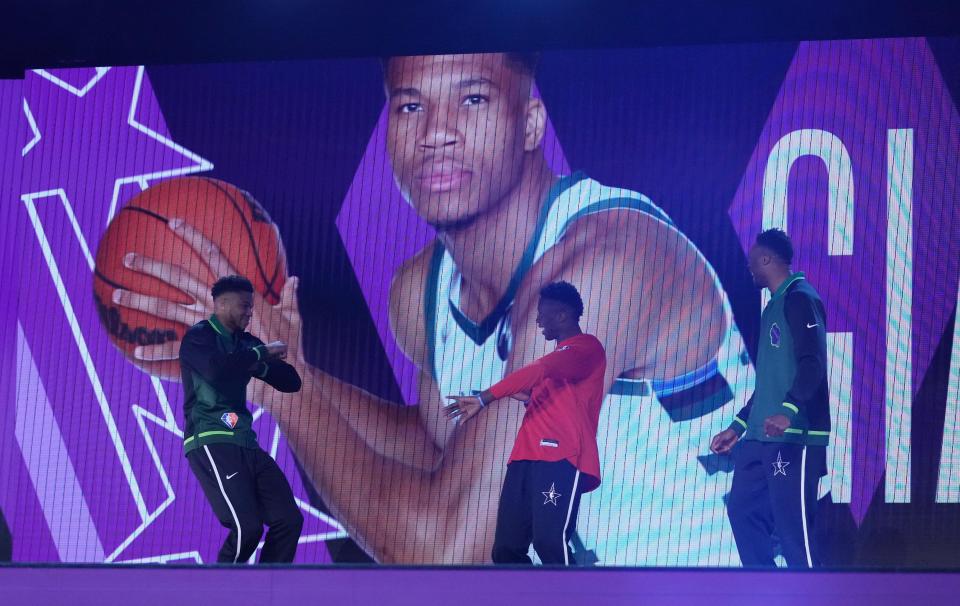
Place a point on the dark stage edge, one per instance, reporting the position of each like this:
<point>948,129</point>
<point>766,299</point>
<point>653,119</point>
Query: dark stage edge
<point>300,586</point>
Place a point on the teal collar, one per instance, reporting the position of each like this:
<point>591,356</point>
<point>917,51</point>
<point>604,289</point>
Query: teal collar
<point>795,277</point>
<point>219,327</point>
<point>481,331</point>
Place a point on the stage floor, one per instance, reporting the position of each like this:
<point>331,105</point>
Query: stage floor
<point>300,586</point>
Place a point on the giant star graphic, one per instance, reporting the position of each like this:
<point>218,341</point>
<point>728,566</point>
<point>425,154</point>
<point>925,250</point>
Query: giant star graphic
<point>92,139</point>
<point>103,130</point>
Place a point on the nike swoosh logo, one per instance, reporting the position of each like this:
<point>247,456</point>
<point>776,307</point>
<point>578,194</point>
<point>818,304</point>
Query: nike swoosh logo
<point>812,325</point>
<point>232,474</point>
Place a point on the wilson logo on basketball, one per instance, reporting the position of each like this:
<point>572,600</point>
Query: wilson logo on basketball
<point>140,335</point>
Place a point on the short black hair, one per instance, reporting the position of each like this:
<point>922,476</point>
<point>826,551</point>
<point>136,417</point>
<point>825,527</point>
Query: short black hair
<point>566,293</point>
<point>525,63</point>
<point>777,241</point>
<point>231,284</point>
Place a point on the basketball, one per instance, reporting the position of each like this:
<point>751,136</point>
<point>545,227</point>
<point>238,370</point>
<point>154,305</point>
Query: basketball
<point>228,216</point>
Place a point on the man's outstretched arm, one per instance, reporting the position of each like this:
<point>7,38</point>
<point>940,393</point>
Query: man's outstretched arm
<point>570,363</point>
<point>389,429</point>
<point>395,512</point>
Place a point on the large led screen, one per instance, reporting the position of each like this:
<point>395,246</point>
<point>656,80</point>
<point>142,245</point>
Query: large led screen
<point>397,216</point>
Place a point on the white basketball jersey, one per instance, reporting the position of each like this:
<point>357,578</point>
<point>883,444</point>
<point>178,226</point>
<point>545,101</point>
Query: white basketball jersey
<point>661,499</point>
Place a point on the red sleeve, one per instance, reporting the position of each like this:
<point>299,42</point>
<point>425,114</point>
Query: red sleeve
<point>571,363</point>
<point>518,381</point>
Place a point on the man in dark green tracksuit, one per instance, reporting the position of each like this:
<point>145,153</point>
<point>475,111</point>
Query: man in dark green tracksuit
<point>784,428</point>
<point>243,483</point>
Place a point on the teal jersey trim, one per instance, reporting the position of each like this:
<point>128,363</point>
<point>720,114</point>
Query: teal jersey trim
<point>430,304</point>
<point>616,204</point>
<point>637,387</point>
<point>481,331</point>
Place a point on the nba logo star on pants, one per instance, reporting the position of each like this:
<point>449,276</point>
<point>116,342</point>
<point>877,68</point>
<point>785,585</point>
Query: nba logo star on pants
<point>779,466</point>
<point>551,495</point>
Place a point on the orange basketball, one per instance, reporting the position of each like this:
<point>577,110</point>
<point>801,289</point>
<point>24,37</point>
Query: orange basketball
<point>226,215</point>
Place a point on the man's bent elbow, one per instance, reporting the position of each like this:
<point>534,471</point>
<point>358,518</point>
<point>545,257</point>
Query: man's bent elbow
<point>291,385</point>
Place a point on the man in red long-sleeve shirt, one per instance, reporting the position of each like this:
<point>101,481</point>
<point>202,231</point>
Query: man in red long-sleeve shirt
<point>555,457</point>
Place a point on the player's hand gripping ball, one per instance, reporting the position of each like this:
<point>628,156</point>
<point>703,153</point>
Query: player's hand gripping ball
<point>228,217</point>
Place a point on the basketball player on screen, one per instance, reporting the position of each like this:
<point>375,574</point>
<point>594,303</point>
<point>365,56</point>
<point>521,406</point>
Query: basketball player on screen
<point>411,485</point>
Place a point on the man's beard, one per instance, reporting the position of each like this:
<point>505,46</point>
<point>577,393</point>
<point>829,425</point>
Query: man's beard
<point>452,226</point>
